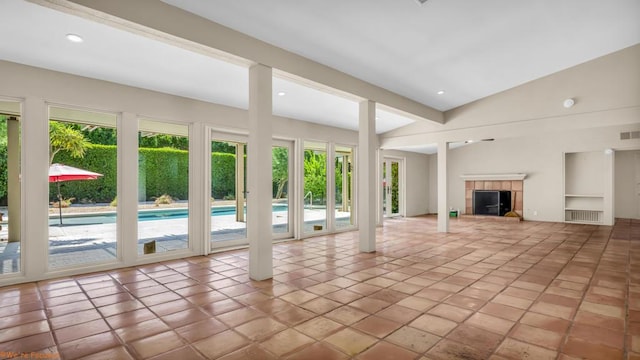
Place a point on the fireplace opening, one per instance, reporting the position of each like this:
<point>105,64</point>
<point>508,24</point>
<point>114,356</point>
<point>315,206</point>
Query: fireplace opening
<point>491,202</point>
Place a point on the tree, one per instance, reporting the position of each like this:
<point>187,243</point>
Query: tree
<point>63,137</point>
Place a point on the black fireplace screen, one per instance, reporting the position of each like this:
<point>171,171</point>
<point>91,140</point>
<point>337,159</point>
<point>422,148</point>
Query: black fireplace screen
<point>491,202</point>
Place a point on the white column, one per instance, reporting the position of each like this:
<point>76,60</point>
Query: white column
<point>609,187</point>
<point>259,173</point>
<point>35,186</point>
<point>13,179</point>
<point>128,188</point>
<point>367,180</point>
<point>199,189</point>
<point>443,191</point>
<point>379,188</point>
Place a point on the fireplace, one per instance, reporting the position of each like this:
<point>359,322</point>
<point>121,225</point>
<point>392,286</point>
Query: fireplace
<point>512,183</point>
<point>491,202</point>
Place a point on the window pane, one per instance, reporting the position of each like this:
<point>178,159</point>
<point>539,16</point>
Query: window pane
<point>163,187</point>
<point>9,190</point>
<point>315,187</point>
<point>82,179</point>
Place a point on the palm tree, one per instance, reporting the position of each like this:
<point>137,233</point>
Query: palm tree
<point>64,137</point>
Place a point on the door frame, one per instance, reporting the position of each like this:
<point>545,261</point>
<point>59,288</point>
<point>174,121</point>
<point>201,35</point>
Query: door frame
<point>221,135</point>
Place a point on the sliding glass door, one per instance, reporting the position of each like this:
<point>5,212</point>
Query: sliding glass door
<point>315,187</point>
<point>282,165</point>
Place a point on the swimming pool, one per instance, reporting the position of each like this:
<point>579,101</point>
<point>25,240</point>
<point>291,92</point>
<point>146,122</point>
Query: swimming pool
<point>145,215</point>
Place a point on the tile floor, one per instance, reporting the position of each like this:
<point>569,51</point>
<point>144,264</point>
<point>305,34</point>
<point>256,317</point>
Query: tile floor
<point>487,290</point>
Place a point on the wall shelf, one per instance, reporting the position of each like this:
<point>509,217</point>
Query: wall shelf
<point>584,195</point>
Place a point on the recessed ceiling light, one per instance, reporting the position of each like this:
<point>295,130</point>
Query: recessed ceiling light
<point>440,92</point>
<point>282,93</point>
<point>74,38</point>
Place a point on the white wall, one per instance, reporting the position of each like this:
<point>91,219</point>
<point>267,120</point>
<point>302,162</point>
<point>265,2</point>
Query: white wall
<point>627,184</point>
<point>540,156</point>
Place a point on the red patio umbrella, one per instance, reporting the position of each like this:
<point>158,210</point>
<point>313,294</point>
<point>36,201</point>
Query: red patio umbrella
<point>60,172</point>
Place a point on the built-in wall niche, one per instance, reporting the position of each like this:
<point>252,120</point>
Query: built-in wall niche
<point>588,185</point>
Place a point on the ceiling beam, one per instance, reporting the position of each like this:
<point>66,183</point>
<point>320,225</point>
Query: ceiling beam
<point>160,21</point>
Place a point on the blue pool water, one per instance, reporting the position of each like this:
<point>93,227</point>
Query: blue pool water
<point>146,215</point>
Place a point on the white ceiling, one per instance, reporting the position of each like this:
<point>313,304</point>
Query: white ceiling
<point>470,49</point>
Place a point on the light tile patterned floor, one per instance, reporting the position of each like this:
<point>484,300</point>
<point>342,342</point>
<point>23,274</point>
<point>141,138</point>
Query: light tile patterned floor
<point>487,290</point>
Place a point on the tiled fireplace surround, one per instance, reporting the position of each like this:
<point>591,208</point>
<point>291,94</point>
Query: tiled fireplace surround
<point>515,186</point>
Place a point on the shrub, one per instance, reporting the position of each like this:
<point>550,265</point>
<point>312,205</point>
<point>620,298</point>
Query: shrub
<point>163,200</point>
<point>65,203</point>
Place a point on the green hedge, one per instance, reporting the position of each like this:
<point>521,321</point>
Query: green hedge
<point>164,172</point>
<point>3,172</point>
<point>223,175</point>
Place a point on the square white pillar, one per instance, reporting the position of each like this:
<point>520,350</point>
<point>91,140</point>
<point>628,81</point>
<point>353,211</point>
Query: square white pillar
<point>609,187</point>
<point>367,180</point>
<point>35,187</point>
<point>259,173</point>
<point>127,206</point>
<point>443,191</point>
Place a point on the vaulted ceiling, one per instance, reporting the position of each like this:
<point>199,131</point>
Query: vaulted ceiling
<point>466,49</point>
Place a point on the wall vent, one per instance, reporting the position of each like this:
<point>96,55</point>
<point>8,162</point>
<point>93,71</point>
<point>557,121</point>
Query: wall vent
<point>584,216</point>
<point>630,135</point>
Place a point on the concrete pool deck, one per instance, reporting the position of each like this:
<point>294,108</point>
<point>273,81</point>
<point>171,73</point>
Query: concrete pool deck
<point>72,245</point>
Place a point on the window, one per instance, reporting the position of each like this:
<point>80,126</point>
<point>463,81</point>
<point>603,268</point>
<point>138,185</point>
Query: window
<point>10,192</point>
<point>83,187</point>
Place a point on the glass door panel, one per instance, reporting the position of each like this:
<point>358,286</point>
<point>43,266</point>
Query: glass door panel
<point>315,187</point>
<point>391,170</point>
<point>343,165</point>
<point>281,201</point>
<point>228,191</point>
<point>163,187</point>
